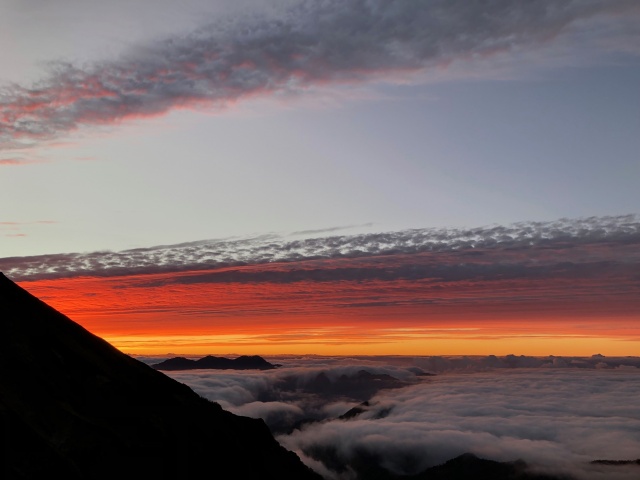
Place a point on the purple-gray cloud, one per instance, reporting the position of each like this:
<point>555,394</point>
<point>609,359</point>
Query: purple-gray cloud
<point>567,247</point>
<point>307,44</point>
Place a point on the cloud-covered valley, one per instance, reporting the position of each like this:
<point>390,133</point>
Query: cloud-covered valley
<point>558,417</point>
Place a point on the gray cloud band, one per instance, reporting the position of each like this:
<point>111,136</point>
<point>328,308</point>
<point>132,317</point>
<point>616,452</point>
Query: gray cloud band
<point>329,41</point>
<point>474,251</point>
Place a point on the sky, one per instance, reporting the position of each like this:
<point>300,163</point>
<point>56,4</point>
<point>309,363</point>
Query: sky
<point>326,176</point>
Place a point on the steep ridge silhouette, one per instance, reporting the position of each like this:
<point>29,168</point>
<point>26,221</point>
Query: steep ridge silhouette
<point>72,406</point>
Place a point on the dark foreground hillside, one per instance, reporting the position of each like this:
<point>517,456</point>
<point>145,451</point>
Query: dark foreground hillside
<point>74,407</point>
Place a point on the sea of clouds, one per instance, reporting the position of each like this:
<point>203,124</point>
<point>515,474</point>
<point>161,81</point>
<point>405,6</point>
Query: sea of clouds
<point>556,413</point>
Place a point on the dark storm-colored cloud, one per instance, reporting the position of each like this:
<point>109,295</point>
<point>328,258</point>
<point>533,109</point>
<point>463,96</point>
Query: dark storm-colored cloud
<point>408,270</point>
<point>569,248</point>
<point>307,44</point>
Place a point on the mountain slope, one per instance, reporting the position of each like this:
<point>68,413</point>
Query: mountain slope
<point>71,405</point>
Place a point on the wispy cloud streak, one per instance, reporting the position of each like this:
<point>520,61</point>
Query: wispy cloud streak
<point>15,228</point>
<point>311,43</point>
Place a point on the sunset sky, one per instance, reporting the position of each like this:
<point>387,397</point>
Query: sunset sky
<point>334,177</point>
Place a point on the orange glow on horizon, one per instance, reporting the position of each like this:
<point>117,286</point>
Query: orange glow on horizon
<point>179,313</point>
<point>378,345</point>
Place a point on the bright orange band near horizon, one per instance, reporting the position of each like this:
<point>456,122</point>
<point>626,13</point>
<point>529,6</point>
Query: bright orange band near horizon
<point>251,310</point>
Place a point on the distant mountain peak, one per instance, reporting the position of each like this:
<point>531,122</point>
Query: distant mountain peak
<point>243,362</point>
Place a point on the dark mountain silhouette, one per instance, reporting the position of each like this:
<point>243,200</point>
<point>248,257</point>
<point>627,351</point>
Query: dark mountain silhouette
<point>72,406</point>
<point>355,411</point>
<point>470,467</point>
<point>243,362</point>
<point>364,407</point>
<point>616,462</point>
<point>368,466</point>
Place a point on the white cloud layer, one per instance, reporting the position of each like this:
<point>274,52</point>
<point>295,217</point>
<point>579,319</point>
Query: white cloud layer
<point>556,419</point>
<point>559,420</point>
